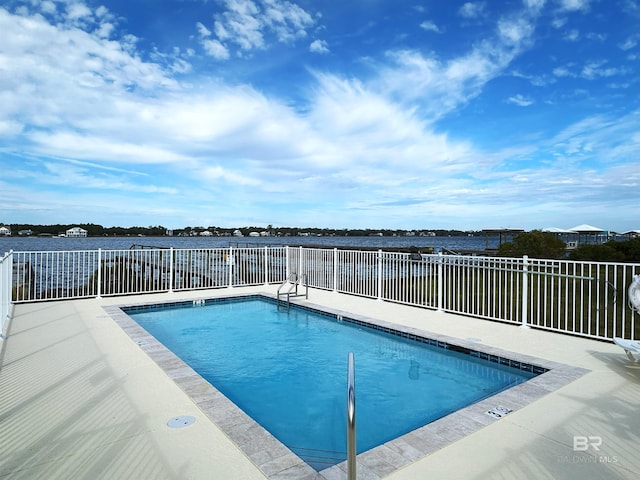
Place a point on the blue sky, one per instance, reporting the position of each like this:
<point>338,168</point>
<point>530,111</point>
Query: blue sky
<point>357,114</point>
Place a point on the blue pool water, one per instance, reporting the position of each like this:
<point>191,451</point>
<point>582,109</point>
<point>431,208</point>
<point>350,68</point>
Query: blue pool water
<point>288,370</point>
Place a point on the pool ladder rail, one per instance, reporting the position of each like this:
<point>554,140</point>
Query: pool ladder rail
<point>292,283</point>
<point>351,417</point>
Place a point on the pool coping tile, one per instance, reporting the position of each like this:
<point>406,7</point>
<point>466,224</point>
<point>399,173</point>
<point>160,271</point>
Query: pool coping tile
<point>278,462</point>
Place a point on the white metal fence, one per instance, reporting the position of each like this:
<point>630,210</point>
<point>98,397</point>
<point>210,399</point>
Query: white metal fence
<point>39,276</point>
<point>5,289</point>
<point>580,298</point>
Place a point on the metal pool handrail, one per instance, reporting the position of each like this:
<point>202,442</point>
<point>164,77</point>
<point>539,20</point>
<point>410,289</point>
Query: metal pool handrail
<point>293,280</point>
<point>351,419</point>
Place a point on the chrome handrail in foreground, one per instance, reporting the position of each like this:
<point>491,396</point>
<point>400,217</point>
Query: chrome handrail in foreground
<point>351,419</point>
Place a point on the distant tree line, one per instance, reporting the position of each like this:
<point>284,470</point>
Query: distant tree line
<point>538,244</point>
<point>94,230</point>
<point>341,232</point>
<point>628,251</point>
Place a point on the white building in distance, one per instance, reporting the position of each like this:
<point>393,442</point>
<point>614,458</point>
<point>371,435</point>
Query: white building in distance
<point>76,232</point>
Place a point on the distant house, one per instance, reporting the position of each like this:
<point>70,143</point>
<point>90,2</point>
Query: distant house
<point>588,234</point>
<point>505,235</point>
<point>206,233</point>
<point>76,232</point>
<point>569,237</point>
<point>5,232</point>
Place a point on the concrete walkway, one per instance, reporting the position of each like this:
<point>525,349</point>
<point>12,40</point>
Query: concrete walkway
<point>79,399</point>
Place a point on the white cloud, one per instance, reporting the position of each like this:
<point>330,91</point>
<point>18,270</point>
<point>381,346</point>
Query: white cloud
<point>216,172</point>
<point>202,30</point>
<point>536,80</point>
<point>287,20</point>
<point>599,37</point>
<point>77,11</point>
<point>514,31</point>
<point>10,128</point>
<point>443,85</point>
<point>103,12</point>
<point>535,5</point>
<point>630,42</point>
<point>472,9</point>
<point>250,25</point>
<point>572,35</point>
<point>520,100</point>
<point>430,27</point>
<point>574,5</point>
<point>215,49</point>
<point>240,24</point>
<point>562,72</point>
<point>43,59</point>
<point>599,138</point>
<point>48,7</point>
<point>46,75</point>
<point>93,146</point>
<point>68,175</point>
<point>105,30</point>
<point>360,117</point>
<point>319,46</point>
<point>595,70</point>
<point>589,71</point>
<point>559,22</point>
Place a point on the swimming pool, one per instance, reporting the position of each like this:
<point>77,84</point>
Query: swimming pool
<point>273,364</point>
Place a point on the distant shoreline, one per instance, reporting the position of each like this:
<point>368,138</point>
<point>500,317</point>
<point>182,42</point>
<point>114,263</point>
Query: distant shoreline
<point>408,244</point>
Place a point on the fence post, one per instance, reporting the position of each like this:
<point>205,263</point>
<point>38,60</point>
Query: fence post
<point>266,265</point>
<point>440,281</point>
<point>379,275</point>
<point>525,288</point>
<point>287,270</point>
<point>171,270</point>
<point>231,262</point>
<point>335,269</point>
<point>300,263</point>
<point>6,280</point>
<point>99,289</point>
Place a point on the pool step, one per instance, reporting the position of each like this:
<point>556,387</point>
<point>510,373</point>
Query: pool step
<point>319,459</point>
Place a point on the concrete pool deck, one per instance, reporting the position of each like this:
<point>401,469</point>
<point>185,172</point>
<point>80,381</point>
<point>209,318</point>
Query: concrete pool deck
<point>80,399</point>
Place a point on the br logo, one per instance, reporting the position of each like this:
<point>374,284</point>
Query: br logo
<point>582,443</point>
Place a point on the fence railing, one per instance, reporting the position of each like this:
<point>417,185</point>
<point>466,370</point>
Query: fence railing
<point>580,298</point>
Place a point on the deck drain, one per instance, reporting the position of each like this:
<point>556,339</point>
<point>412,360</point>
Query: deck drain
<point>499,411</point>
<point>182,421</point>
